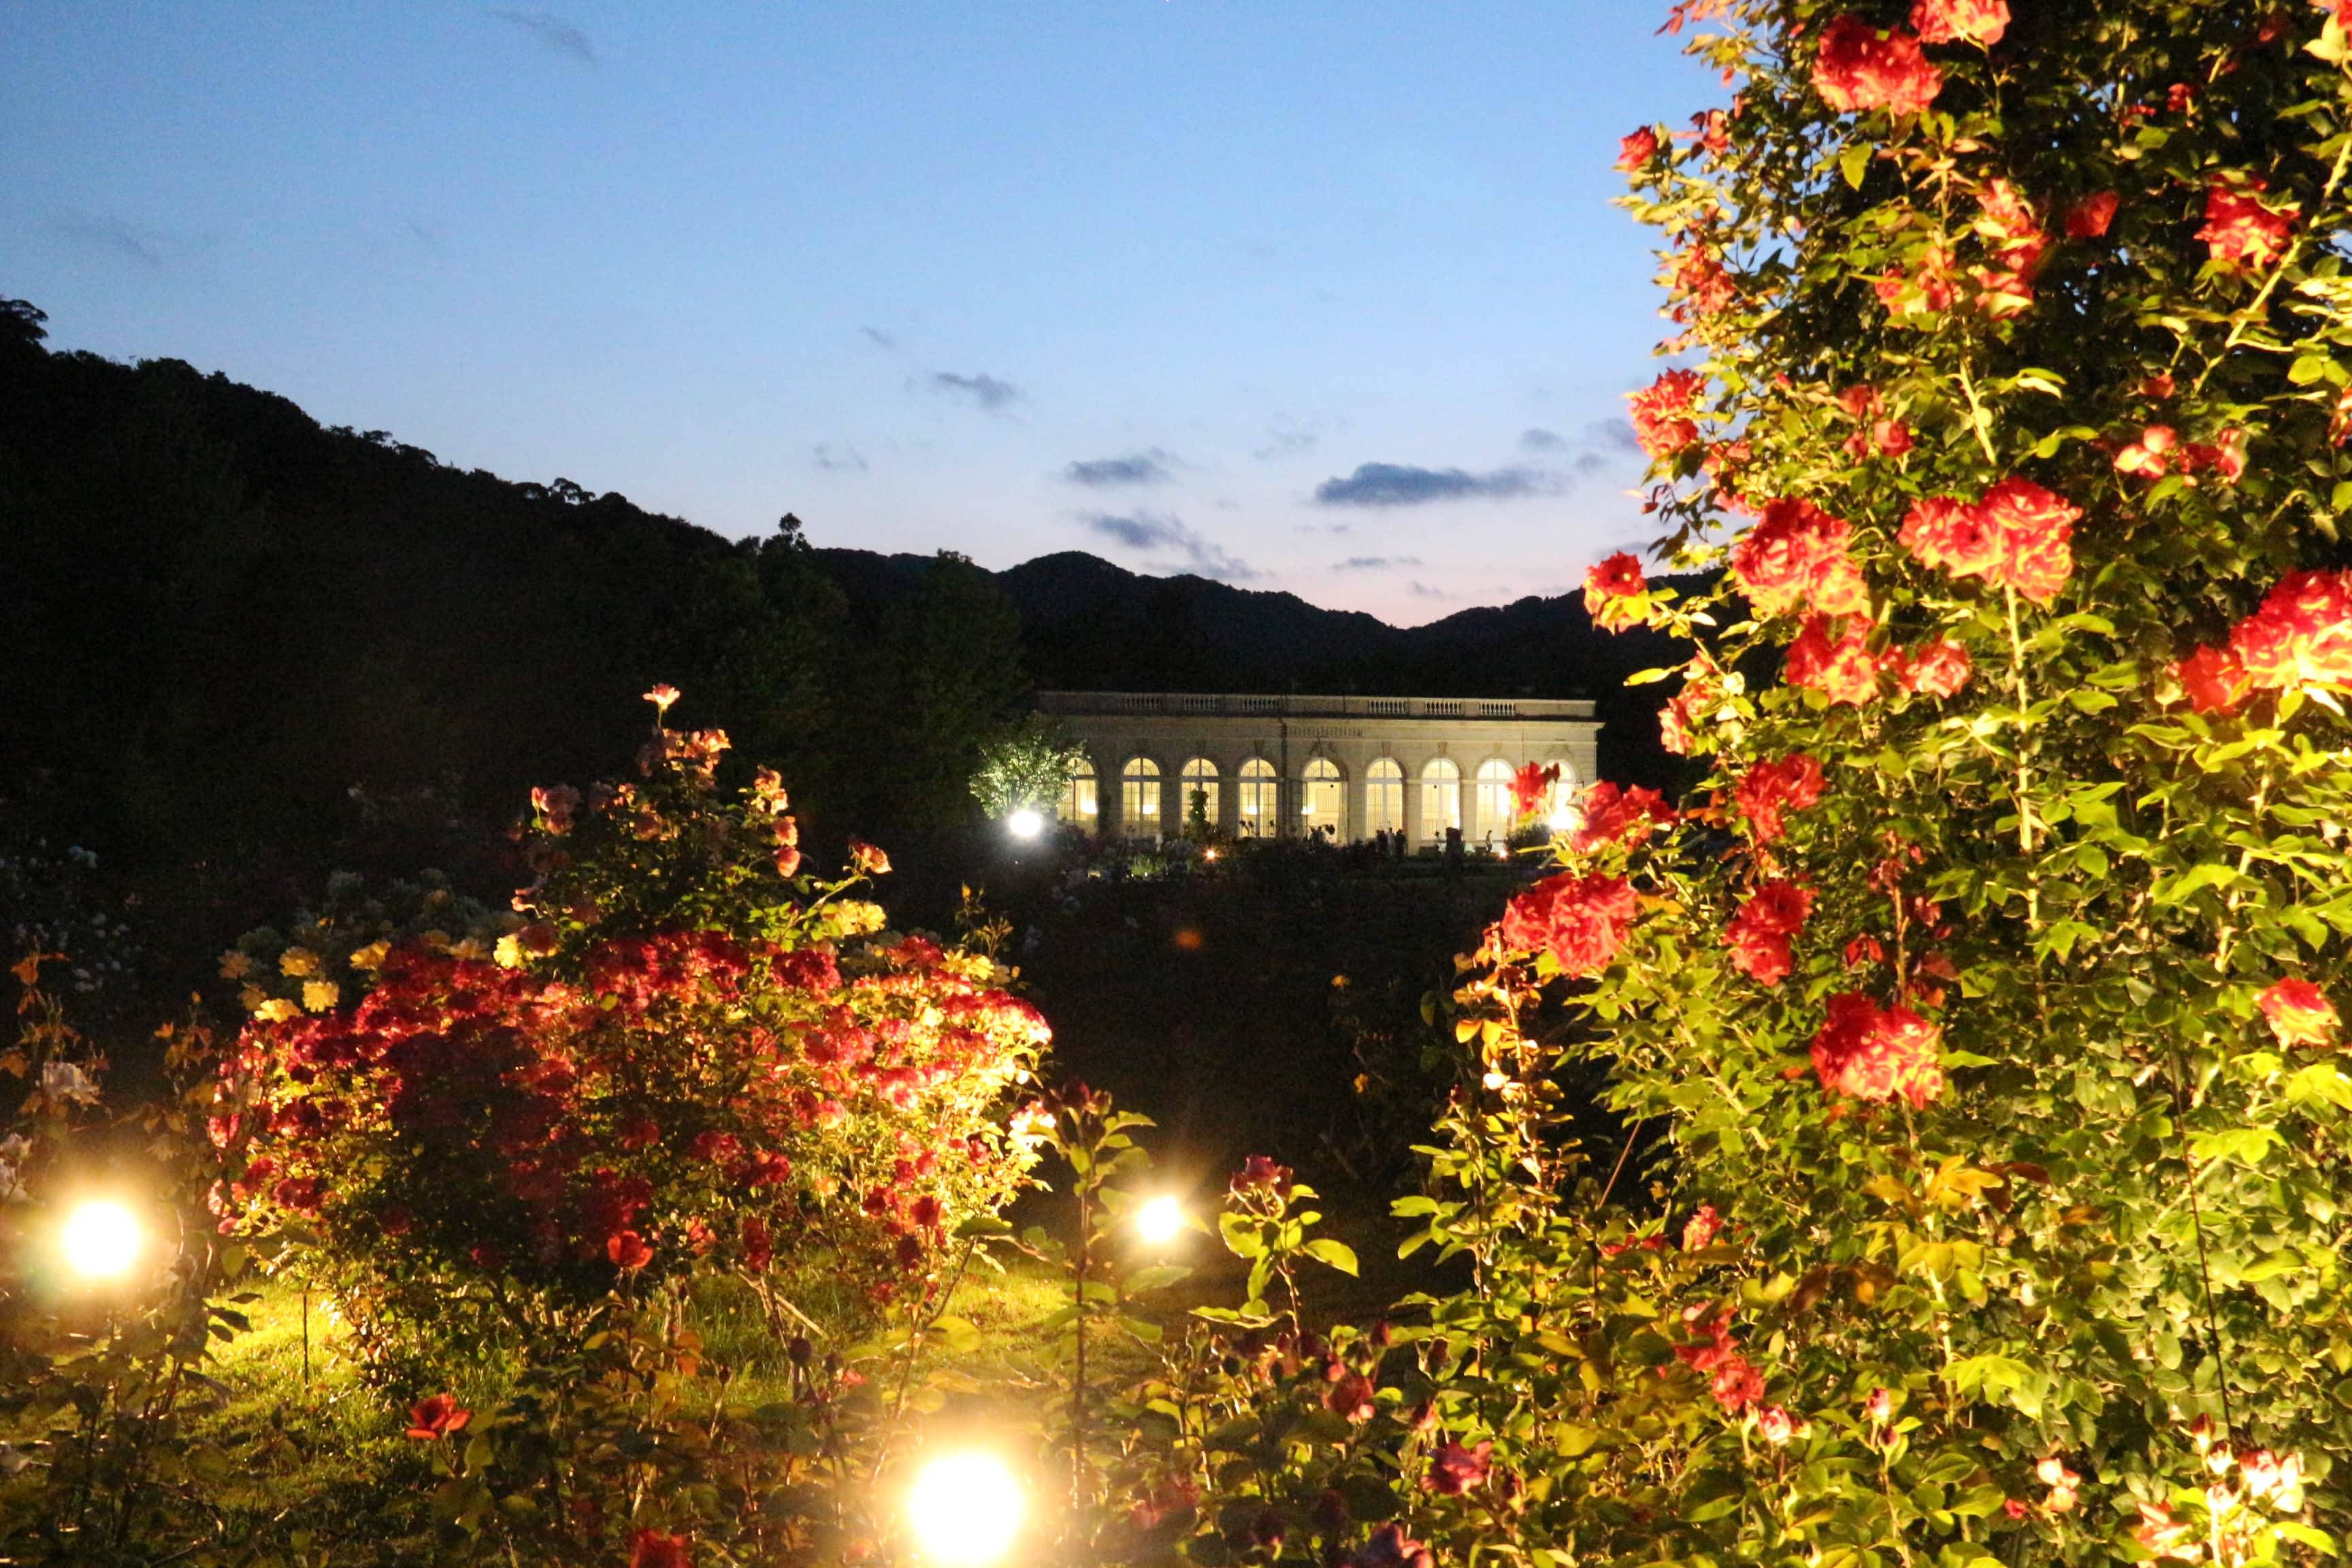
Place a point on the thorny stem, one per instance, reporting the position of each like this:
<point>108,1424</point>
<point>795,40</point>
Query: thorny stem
<point>2204,1267</point>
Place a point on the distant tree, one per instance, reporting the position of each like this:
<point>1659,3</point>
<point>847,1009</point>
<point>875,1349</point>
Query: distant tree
<point>1027,769</point>
<point>20,324</point>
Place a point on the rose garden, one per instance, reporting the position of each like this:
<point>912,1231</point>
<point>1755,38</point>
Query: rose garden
<point>1915,1144</point>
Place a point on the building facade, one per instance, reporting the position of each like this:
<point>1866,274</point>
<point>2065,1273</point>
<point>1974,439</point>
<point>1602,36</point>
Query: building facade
<point>1344,768</point>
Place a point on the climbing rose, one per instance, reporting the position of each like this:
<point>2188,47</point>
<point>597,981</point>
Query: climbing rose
<point>1797,552</point>
<point>2089,218</point>
<point>2149,456</point>
<point>2299,1014</point>
<point>1530,785</point>
<point>1946,531</point>
<point>1611,816</point>
<point>1939,668</point>
<point>2238,230</point>
<point>628,1250</point>
<point>652,1549</point>
<point>1844,670</point>
<point>1454,1469</point>
<point>1701,1229</point>
<point>1698,274</point>
<point>1635,152</point>
<point>1616,592</point>
<point>1860,68</point>
<point>1768,789</point>
<point>1758,934</point>
<point>2212,679</point>
<point>1775,1425</point>
<point>1580,921</point>
<point>1867,1052</point>
<point>1967,21</point>
<point>2302,635</point>
<point>1662,411</point>
<point>434,1418</point>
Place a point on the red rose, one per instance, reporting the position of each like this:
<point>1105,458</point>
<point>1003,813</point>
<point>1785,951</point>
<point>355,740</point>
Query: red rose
<point>652,1549</point>
<point>1698,277</point>
<point>628,1250</point>
<point>1454,1469</point>
<point>1867,1052</point>
<point>1795,552</point>
<point>1775,1425</point>
<point>1844,670</point>
<point>867,859</point>
<point>2035,528</point>
<point>1390,1547</point>
<point>2089,218</point>
<point>1770,789</point>
<point>2302,635</point>
<point>436,1417</point>
<point>1580,921</point>
<point>1611,816</point>
<point>1758,934</point>
<point>1736,1385</point>
<point>1260,1173</point>
<point>1948,532</point>
<point>1940,668</point>
<point>299,1194</point>
<point>2240,231</point>
<point>2299,1014</point>
<point>1700,1231</point>
<point>1960,21</point>
<point>1662,411</point>
<point>2212,679</point>
<point>1635,152</point>
<point>1614,593</point>
<point>1860,68</point>
<point>1531,785</point>
<point>2150,456</point>
<point>1678,720</point>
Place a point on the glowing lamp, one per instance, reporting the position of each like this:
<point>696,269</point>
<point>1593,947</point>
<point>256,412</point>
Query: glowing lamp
<point>1024,823</point>
<point>966,1508</point>
<point>1160,1219</point>
<point>102,1239</point>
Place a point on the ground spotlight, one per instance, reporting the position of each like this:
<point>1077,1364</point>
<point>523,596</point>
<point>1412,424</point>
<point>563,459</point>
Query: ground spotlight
<point>102,1239</point>
<point>1024,823</point>
<point>966,1508</point>
<point>1160,1219</point>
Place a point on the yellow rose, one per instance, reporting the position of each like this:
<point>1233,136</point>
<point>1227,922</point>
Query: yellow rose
<point>276,1010</point>
<point>318,996</point>
<point>372,957</point>
<point>298,962</point>
<point>236,966</point>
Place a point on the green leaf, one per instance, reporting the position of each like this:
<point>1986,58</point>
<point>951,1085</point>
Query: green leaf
<point>1854,163</point>
<point>1338,1255</point>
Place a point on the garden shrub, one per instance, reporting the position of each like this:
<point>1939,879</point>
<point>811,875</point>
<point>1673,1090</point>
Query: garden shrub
<point>679,1058</point>
<point>1974,1025</point>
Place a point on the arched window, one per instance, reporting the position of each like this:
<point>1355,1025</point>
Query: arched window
<point>1325,809</point>
<point>1199,792</point>
<point>1080,802</point>
<point>1261,798</point>
<point>1384,796</point>
<point>1139,798</point>
<point>1441,798</point>
<point>1491,820</point>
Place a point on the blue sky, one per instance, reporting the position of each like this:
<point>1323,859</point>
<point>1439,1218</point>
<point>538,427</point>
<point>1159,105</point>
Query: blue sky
<point>1321,297</point>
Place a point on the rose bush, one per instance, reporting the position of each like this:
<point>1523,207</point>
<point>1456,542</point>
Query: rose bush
<point>678,1058</point>
<point>1980,1190</point>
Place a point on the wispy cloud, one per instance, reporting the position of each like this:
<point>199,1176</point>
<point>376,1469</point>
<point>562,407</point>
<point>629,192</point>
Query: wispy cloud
<point>879,338</point>
<point>553,32</point>
<point>111,234</point>
<point>1614,435</point>
<point>841,459</point>
<point>1287,438</point>
<point>1541,440</point>
<point>1135,468</point>
<point>1375,562</point>
<point>1424,591</point>
<point>1163,534</point>
<point>1398,484</point>
<point>985,391</point>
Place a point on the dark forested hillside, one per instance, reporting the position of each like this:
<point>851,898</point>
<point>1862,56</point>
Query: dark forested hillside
<point>241,650</point>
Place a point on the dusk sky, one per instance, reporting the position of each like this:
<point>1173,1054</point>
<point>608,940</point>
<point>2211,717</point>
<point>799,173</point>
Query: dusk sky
<point>1327,297</point>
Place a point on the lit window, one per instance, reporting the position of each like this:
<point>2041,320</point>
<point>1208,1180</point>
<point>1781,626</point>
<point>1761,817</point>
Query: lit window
<point>1491,821</point>
<point>1139,798</point>
<point>1384,796</point>
<point>1080,802</point>
<point>1325,805</point>
<point>1560,808</point>
<point>1260,801</point>
<point>1441,798</point>
<point>1199,791</point>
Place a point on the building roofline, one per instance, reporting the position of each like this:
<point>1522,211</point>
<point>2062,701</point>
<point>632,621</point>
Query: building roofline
<point>1284,705</point>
